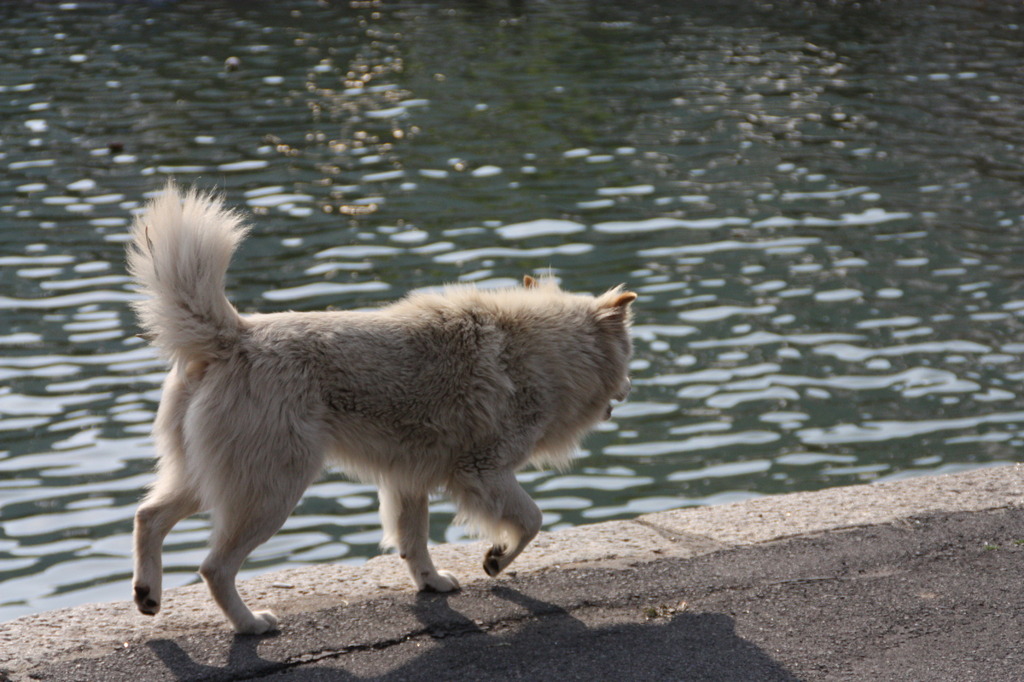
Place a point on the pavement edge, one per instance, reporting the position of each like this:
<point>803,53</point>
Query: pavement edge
<point>93,630</point>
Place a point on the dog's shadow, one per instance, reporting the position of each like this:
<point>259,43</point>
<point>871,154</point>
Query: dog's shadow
<point>541,641</point>
<point>243,660</point>
<point>548,642</point>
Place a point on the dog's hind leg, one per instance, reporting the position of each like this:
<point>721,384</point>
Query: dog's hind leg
<point>496,504</point>
<point>405,518</point>
<point>248,512</point>
<point>171,499</point>
<point>168,503</point>
<point>237,531</point>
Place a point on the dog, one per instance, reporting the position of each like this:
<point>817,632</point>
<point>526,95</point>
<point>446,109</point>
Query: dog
<point>447,391</point>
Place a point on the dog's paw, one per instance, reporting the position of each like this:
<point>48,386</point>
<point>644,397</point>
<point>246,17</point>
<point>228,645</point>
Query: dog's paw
<point>492,560</point>
<point>147,603</point>
<point>442,581</point>
<point>261,622</point>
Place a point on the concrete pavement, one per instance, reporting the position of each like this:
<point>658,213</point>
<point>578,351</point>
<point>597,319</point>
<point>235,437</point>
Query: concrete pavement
<point>911,580</point>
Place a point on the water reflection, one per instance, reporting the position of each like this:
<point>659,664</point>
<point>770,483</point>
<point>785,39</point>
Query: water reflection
<point>819,206</point>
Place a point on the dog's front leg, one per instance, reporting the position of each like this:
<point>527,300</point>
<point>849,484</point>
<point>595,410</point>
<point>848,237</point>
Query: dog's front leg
<point>520,522</point>
<point>405,518</point>
<point>499,507</point>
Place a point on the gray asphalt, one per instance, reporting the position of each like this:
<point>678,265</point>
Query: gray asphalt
<point>935,597</point>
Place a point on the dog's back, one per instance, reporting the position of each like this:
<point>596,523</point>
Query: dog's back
<point>431,382</point>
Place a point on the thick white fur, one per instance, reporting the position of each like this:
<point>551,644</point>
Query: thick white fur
<point>452,392</point>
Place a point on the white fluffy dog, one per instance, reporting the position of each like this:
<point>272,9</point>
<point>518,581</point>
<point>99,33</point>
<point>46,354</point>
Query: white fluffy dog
<point>450,391</point>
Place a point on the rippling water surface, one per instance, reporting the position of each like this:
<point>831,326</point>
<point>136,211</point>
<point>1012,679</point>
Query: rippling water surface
<point>821,209</point>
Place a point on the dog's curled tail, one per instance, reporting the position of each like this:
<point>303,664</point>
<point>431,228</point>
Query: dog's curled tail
<point>179,254</point>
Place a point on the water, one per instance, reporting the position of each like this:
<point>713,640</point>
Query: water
<point>820,207</point>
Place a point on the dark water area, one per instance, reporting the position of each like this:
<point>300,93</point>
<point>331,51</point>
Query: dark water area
<point>820,205</point>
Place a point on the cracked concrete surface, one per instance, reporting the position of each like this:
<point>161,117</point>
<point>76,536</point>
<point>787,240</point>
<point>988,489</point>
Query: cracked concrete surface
<point>371,609</point>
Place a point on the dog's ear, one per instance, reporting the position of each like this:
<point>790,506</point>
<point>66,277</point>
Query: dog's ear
<point>616,298</point>
<point>622,299</point>
<point>614,304</point>
<point>529,282</point>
